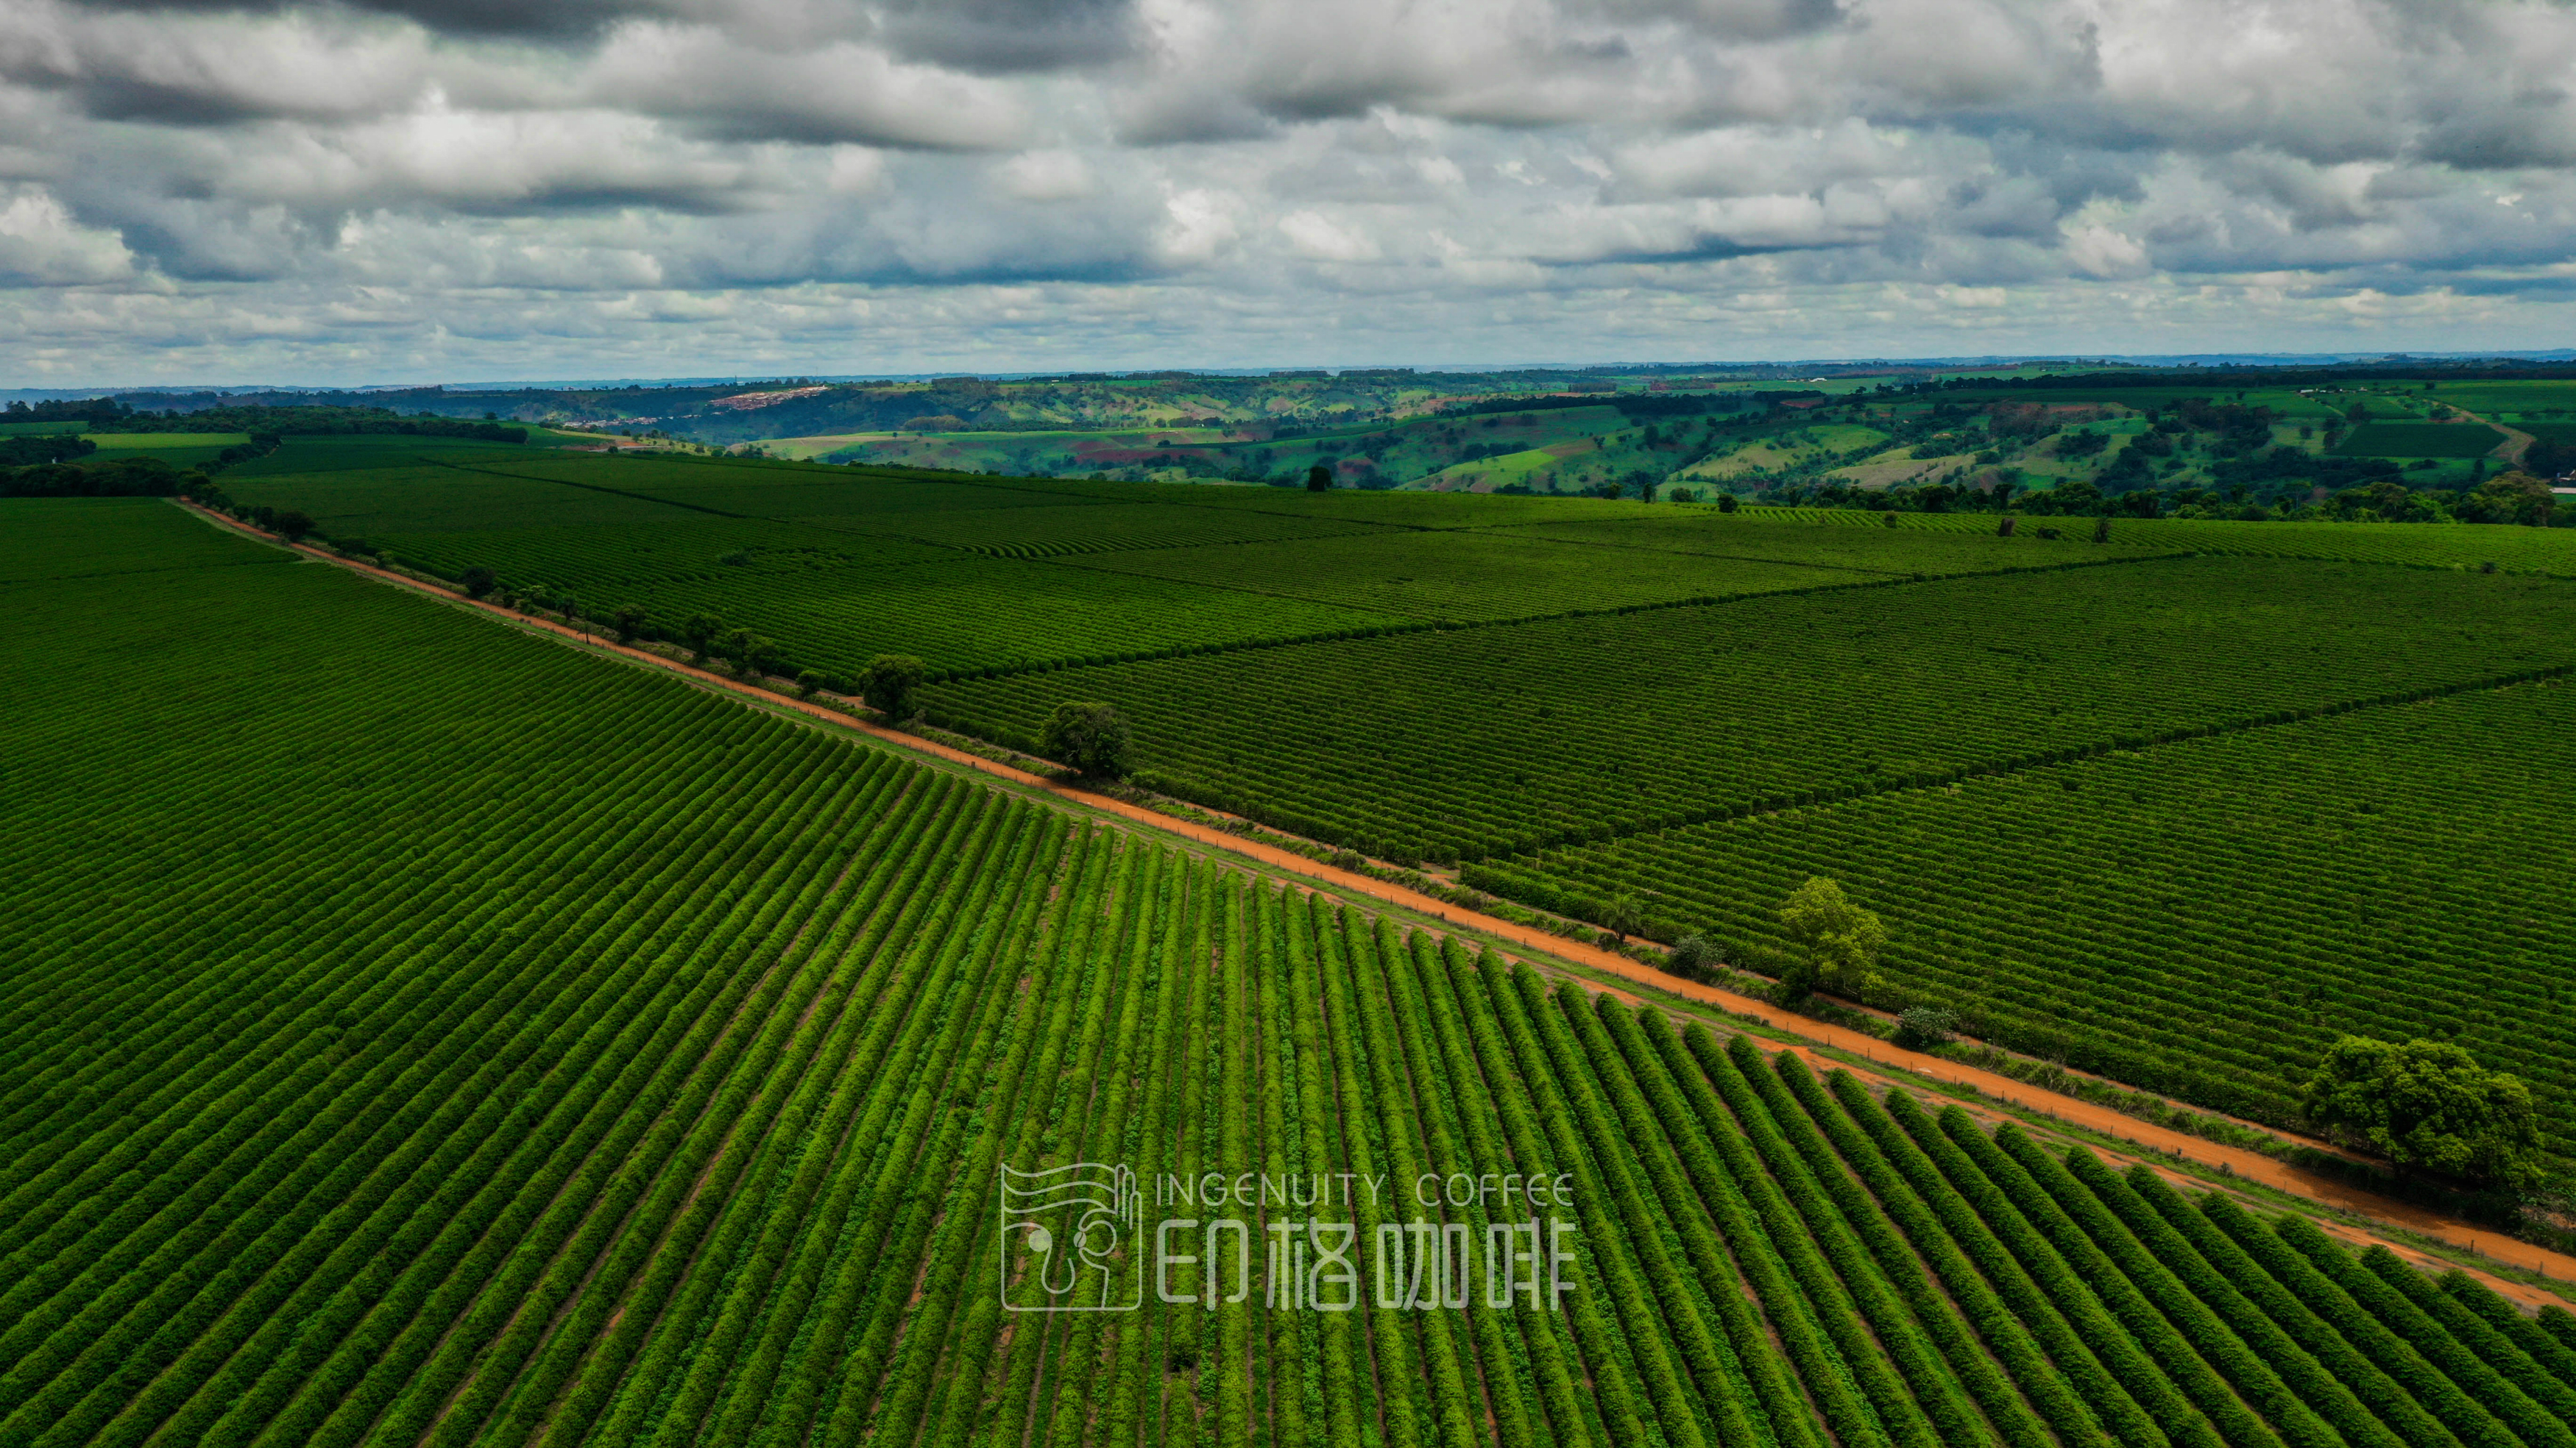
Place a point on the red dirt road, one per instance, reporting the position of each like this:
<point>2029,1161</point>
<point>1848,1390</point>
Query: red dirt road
<point>2154,1141</point>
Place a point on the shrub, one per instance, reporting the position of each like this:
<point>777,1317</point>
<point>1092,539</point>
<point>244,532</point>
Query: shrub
<point>1089,735</point>
<point>888,682</point>
<point>1924,1026</point>
<point>1695,957</point>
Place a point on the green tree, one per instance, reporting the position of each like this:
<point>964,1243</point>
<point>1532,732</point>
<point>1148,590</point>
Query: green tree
<point>2429,1107</point>
<point>1837,942</point>
<point>1319,479</point>
<point>477,580</point>
<point>1623,916</point>
<point>735,648</point>
<point>1726,503</point>
<point>1695,957</point>
<point>630,622</point>
<point>888,681</point>
<point>761,657</point>
<point>291,524</point>
<point>1091,736</point>
<point>698,632</point>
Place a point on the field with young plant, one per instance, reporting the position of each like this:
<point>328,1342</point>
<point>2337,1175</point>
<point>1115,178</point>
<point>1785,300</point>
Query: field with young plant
<point>1603,725</point>
<point>2201,919</point>
<point>1595,702</point>
<point>573,1056</point>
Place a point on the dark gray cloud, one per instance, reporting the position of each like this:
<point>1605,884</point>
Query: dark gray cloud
<point>1003,36</point>
<point>951,176</point>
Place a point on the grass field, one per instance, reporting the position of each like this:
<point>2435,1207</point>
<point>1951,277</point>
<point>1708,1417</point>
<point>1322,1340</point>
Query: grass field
<point>2420,440</point>
<point>346,452</point>
<point>593,1060</point>
<point>2201,918</point>
<point>1373,668</point>
<point>1081,526</point>
<point>1882,551</point>
<point>1637,721</point>
<point>57,538</point>
<point>2417,545</point>
<point>1466,576</point>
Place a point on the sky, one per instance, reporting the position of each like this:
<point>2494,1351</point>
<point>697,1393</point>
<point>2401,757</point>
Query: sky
<point>424,190</point>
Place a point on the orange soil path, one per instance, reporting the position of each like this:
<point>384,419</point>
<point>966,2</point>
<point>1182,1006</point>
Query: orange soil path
<point>2158,1140</point>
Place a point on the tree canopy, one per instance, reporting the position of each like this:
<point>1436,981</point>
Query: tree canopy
<point>2429,1106</point>
<point>888,681</point>
<point>1837,942</point>
<point>1089,735</point>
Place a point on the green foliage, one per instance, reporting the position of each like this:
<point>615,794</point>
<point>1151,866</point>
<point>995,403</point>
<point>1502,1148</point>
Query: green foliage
<point>888,682</point>
<point>1696,957</point>
<point>1920,1027</point>
<point>1460,575</point>
<point>699,632</point>
<point>590,1106</point>
<point>1354,741</point>
<point>2419,439</point>
<point>2428,1106</point>
<point>307,421</point>
<point>1837,942</point>
<point>2198,997</point>
<point>477,581</point>
<point>1093,737</point>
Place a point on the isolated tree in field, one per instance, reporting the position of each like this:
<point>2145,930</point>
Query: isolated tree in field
<point>698,632</point>
<point>1089,735</point>
<point>477,581</point>
<point>761,657</point>
<point>2102,529</point>
<point>1836,941</point>
<point>2429,1107</point>
<point>1726,503</point>
<point>291,524</point>
<point>888,681</point>
<point>1623,916</point>
<point>1695,957</point>
<point>735,647</point>
<point>630,622</point>
<point>1319,479</point>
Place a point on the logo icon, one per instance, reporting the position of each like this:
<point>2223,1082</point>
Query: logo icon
<point>1062,1232</point>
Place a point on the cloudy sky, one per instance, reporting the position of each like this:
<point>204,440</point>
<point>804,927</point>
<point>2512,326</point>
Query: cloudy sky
<point>490,189</point>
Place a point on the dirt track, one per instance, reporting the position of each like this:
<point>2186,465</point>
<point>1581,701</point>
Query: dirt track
<point>2155,1142</point>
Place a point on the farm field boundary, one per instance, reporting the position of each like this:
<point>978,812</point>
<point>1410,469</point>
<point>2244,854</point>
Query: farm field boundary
<point>1887,1065</point>
<point>1461,625</point>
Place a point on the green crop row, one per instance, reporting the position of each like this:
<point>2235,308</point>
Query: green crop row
<point>1482,741</point>
<point>2161,917</point>
<point>2419,545</point>
<point>1462,576</point>
<point>453,1039</point>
